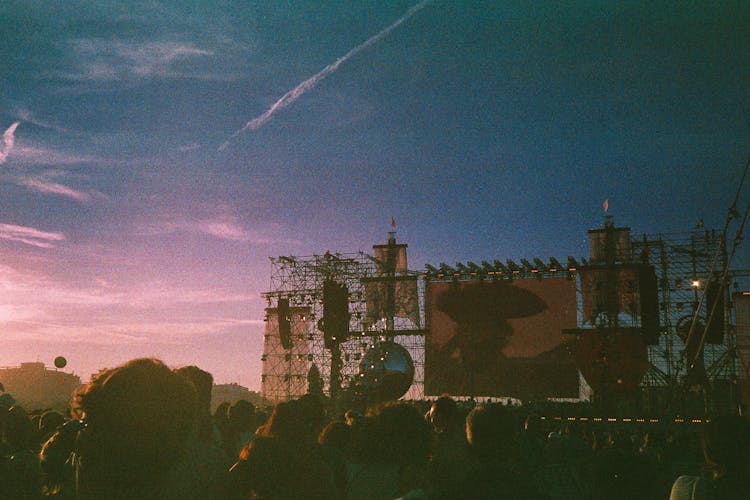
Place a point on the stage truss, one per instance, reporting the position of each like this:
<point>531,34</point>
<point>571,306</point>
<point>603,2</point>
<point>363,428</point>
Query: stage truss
<point>300,279</point>
<point>682,262</point>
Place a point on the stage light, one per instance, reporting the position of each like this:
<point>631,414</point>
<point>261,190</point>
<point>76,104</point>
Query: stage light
<point>541,266</point>
<point>572,264</point>
<point>529,266</point>
<point>513,266</point>
<point>446,270</point>
<point>474,269</point>
<point>695,283</point>
<point>500,267</point>
<point>554,265</point>
<point>462,269</point>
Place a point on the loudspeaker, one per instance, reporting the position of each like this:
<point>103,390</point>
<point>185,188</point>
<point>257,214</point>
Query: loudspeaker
<point>714,295</point>
<point>285,326</point>
<point>335,313</point>
<point>648,288</point>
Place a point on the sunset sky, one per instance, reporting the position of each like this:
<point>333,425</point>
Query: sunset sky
<point>156,154</point>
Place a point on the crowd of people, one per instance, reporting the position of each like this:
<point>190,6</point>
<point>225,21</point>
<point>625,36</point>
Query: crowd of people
<point>145,431</point>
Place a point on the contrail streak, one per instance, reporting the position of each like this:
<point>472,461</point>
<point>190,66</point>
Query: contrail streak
<point>308,84</point>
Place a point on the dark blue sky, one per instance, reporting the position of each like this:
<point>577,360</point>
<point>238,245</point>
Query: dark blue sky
<point>487,129</point>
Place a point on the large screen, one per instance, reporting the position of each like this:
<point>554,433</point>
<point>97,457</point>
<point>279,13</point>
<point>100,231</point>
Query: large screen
<point>501,338</point>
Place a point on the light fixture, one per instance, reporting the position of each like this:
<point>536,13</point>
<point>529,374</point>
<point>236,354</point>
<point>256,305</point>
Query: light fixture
<point>554,265</point>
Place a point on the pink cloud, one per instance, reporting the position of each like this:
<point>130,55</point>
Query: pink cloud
<point>8,141</point>
<point>225,230</point>
<point>30,236</point>
<point>44,186</point>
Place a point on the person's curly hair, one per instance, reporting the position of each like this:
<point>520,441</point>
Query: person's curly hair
<point>137,419</point>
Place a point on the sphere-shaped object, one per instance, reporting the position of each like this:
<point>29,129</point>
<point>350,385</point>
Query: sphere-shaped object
<point>387,370</point>
<point>60,362</point>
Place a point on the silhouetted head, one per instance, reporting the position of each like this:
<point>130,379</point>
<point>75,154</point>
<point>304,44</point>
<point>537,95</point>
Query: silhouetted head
<point>201,380</point>
<point>444,414</point>
<point>726,445</point>
<point>268,469</point>
<point>398,434</point>
<point>241,416</point>
<point>137,418</point>
<point>336,435</point>
<point>492,432</point>
<point>18,428</point>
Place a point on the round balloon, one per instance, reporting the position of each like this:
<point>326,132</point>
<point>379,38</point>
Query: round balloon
<point>387,370</point>
<point>60,362</point>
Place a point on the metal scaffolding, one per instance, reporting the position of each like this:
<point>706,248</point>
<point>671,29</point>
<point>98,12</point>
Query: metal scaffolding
<point>286,371</point>
<point>682,262</point>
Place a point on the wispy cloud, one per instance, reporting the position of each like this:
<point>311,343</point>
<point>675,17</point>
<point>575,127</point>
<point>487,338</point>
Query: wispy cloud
<point>224,230</point>
<point>26,115</point>
<point>48,187</point>
<point>24,289</point>
<point>159,293</point>
<point>224,225</point>
<point>232,231</point>
<point>47,156</point>
<point>148,333</point>
<point>8,141</point>
<point>30,236</point>
<point>189,147</point>
<point>110,60</point>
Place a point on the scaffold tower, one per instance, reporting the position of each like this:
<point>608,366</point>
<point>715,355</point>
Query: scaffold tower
<point>694,304</point>
<point>288,370</point>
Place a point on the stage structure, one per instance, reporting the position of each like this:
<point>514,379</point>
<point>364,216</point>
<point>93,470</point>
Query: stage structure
<point>654,325</point>
<point>343,321</point>
<point>646,321</point>
<point>694,358</point>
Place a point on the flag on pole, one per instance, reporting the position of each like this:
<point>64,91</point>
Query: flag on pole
<point>393,222</point>
<point>605,205</point>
